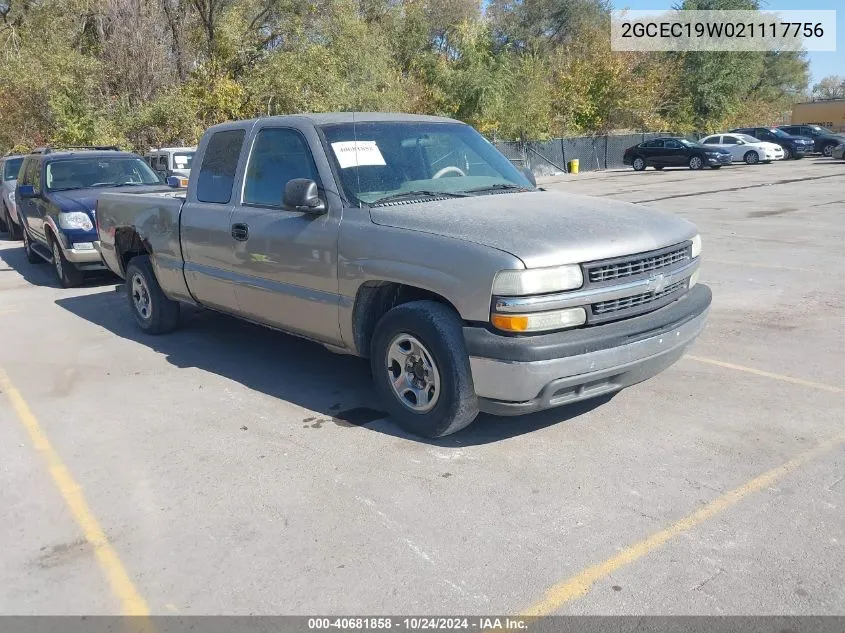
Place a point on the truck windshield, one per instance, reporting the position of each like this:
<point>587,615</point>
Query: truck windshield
<point>11,168</point>
<point>382,160</point>
<point>84,173</point>
<point>183,160</point>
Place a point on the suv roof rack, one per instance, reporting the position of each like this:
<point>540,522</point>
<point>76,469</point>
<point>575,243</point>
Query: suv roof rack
<point>49,150</point>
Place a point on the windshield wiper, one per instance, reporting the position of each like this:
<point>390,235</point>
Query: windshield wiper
<point>501,186</point>
<point>418,193</point>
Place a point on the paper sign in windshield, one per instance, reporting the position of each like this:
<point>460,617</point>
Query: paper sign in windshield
<point>357,153</point>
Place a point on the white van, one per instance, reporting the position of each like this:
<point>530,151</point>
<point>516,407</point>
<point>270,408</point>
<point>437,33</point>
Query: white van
<point>171,161</point>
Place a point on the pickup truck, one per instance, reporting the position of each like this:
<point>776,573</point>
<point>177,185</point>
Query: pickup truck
<point>410,240</point>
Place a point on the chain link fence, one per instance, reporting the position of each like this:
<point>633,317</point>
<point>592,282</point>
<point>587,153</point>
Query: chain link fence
<point>548,158</point>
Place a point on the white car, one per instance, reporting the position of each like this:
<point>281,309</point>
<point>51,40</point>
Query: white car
<point>745,148</point>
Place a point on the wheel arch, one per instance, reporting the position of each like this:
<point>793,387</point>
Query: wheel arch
<point>375,298</point>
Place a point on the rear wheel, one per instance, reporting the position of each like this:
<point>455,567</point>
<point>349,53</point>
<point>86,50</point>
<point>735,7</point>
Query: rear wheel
<point>421,369</point>
<point>153,311</point>
<point>639,163</point>
<point>68,274</point>
<point>696,163</point>
<point>31,256</point>
<point>659,167</point>
<point>715,166</point>
<point>751,157</point>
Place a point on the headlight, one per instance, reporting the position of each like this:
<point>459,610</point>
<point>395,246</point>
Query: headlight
<point>75,220</point>
<point>696,246</point>
<point>535,281</point>
<point>539,321</point>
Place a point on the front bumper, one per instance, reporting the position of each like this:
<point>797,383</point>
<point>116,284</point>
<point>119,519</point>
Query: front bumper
<point>724,159</point>
<point>513,376</point>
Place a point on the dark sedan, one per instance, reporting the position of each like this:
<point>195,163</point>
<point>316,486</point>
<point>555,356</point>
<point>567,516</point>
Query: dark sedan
<point>824,140</point>
<point>674,152</point>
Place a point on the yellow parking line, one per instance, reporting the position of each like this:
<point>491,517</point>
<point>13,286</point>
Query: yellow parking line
<point>107,557</point>
<point>580,584</point>
<point>766,374</point>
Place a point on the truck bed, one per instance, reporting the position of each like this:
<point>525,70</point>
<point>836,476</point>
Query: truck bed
<point>152,218</point>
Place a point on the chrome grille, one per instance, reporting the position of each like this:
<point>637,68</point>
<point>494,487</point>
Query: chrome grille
<point>637,265</point>
<point>635,301</point>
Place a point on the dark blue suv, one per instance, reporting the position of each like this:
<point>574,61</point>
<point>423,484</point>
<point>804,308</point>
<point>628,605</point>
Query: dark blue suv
<point>56,197</point>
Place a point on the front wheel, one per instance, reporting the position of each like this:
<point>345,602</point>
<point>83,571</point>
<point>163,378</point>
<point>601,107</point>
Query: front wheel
<point>154,312</point>
<point>787,153</point>
<point>659,167</point>
<point>827,150</point>
<point>68,274</point>
<point>751,158</point>
<point>696,163</point>
<point>715,166</point>
<point>12,228</point>
<point>421,369</point>
<point>639,163</point>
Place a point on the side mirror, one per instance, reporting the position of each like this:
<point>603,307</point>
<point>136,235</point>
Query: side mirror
<point>177,182</point>
<point>26,191</point>
<point>301,194</point>
<point>530,175</point>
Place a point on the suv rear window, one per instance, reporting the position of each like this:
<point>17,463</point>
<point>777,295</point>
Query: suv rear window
<point>11,168</point>
<point>219,164</point>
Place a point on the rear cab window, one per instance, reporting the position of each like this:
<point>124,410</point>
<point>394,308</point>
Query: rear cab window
<point>219,165</point>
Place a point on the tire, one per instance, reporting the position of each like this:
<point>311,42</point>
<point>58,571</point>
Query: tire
<point>429,335</point>
<point>67,273</point>
<point>715,166</point>
<point>659,167</point>
<point>696,163</point>
<point>827,150</point>
<point>787,153</point>
<point>751,157</point>
<point>31,256</point>
<point>14,232</point>
<point>639,163</point>
<point>153,311</point>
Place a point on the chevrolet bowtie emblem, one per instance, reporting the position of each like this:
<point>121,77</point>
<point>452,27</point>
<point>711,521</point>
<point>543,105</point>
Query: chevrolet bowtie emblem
<point>656,283</point>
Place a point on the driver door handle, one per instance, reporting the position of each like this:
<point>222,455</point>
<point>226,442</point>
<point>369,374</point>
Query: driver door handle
<point>240,232</point>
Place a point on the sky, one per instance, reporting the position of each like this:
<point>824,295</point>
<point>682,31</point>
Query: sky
<point>822,64</point>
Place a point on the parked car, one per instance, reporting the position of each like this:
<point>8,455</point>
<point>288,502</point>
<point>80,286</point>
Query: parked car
<point>172,161</point>
<point>674,152</point>
<point>412,241</point>
<point>793,146</point>
<point>824,140</point>
<point>56,193</point>
<point>9,167</point>
<point>744,148</point>
<point>838,151</point>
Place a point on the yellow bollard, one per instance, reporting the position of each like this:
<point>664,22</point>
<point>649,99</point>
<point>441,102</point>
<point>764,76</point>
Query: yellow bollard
<point>573,166</point>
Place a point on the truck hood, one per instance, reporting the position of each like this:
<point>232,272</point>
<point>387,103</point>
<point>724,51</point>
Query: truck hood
<point>543,228</point>
<point>86,199</point>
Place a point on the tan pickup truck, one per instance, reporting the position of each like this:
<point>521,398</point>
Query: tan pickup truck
<point>412,241</point>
